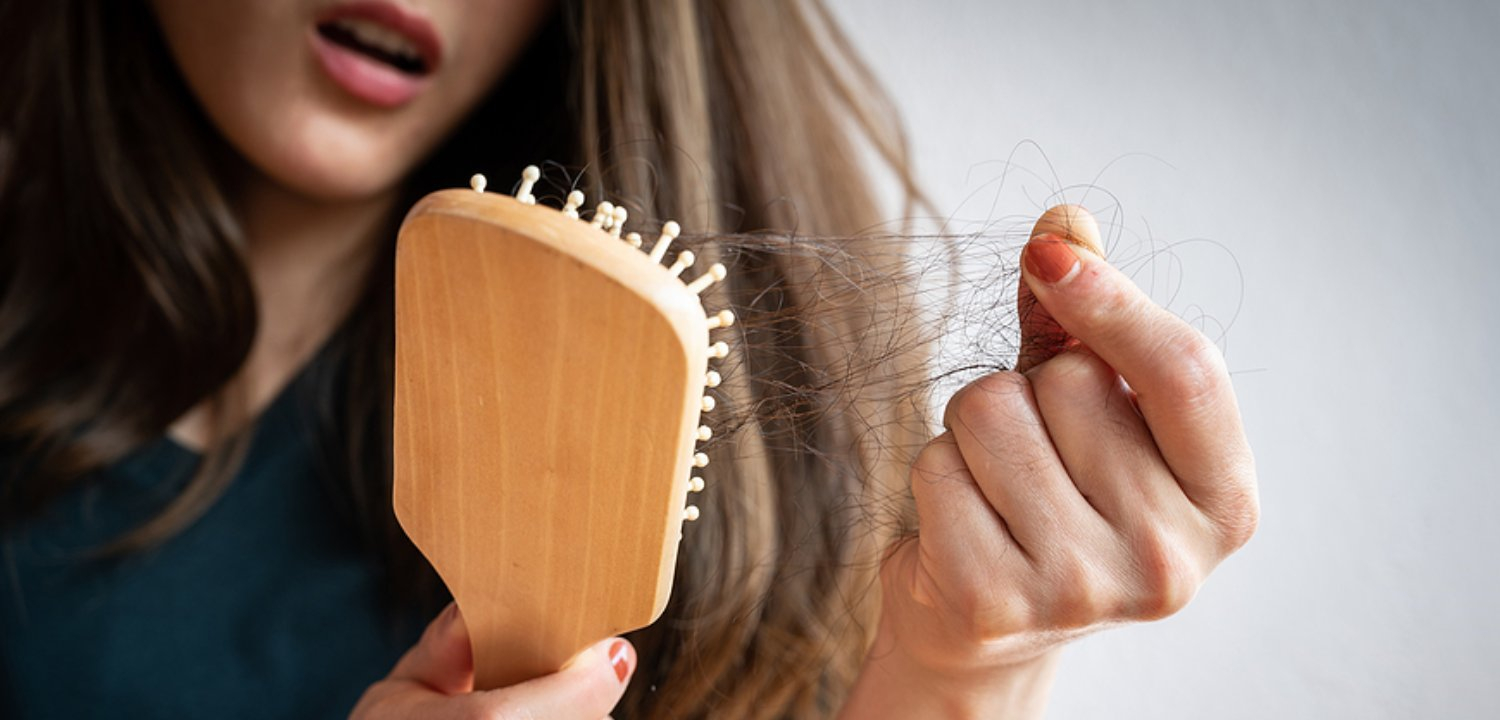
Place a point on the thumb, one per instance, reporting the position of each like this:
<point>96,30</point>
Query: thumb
<point>442,658</point>
<point>588,688</point>
<point>1041,336</point>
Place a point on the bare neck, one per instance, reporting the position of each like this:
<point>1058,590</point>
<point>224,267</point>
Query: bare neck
<point>308,261</point>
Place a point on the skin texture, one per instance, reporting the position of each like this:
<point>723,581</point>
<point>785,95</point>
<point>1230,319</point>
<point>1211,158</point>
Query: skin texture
<point>1060,500</point>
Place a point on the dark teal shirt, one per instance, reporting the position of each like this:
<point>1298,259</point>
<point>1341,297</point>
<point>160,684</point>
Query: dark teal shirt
<point>268,606</point>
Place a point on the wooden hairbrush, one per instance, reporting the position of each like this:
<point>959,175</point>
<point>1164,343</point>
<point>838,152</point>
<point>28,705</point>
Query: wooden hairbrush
<point>549,380</point>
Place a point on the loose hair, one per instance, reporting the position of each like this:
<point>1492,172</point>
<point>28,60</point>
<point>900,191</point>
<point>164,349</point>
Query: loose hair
<point>125,301</point>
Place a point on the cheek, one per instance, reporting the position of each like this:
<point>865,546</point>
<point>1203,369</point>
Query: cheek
<point>251,66</point>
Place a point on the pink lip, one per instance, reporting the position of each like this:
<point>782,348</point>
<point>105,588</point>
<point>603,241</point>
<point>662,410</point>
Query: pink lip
<point>366,78</point>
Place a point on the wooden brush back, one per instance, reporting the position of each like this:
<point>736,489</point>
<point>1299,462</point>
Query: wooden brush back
<point>549,379</point>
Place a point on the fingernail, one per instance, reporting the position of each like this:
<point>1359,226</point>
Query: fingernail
<point>1050,259</point>
<point>619,658</point>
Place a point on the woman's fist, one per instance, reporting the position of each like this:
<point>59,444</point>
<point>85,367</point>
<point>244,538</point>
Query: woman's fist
<point>1098,484</point>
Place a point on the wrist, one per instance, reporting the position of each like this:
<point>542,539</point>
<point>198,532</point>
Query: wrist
<point>895,683</point>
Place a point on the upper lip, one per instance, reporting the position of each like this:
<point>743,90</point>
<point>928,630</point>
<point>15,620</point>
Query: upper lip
<point>411,24</point>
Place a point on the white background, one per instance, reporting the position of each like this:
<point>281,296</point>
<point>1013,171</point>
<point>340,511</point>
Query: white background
<point>1333,167</point>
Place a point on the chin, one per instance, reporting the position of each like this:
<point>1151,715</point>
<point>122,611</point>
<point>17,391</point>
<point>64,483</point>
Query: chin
<point>328,181</point>
<point>327,157</point>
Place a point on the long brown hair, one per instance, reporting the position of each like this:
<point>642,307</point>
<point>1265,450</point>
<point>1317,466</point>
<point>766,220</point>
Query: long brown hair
<point>124,301</point>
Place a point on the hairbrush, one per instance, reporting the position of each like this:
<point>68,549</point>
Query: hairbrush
<point>550,376</point>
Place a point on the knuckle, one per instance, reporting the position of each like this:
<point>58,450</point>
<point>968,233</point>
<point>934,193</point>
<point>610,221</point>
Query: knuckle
<point>1070,368</point>
<point>1081,594</point>
<point>990,403</point>
<point>1168,578</point>
<point>986,611</point>
<point>1195,372</point>
<point>1111,307</point>
<point>1078,375</point>
<point>1238,514</point>
<point>939,459</point>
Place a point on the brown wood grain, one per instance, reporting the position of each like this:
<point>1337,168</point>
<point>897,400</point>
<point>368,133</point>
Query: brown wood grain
<point>548,383</point>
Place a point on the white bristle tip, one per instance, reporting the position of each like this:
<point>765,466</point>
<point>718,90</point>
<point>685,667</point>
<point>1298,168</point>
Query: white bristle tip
<point>529,176</point>
<point>709,403</point>
<point>690,513</point>
<point>617,220</point>
<point>571,205</point>
<point>712,379</point>
<point>634,239</point>
<point>721,319</point>
<point>715,273</point>
<point>705,433</point>
<point>684,261</point>
<point>478,182</point>
<point>719,350</point>
<point>696,484</point>
<point>700,460</point>
<point>668,234</point>
<point>603,214</point>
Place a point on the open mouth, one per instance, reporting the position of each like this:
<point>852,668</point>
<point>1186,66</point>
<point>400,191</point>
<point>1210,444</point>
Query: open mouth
<point>377,51</point>
<point>376,42</point>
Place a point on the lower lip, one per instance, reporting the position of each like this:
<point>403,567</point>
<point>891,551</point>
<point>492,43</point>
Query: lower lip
<point>366,78</point>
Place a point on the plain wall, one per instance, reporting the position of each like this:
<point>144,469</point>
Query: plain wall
<point>1329,169</point>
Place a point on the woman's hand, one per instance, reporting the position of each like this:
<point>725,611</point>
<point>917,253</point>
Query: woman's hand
<point>1098,484</point>
<point>435,679</point>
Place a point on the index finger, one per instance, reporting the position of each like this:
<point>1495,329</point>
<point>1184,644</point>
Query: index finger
<point>1178,375</point>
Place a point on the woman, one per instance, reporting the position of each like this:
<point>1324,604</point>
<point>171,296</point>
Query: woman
<point>197,204</point>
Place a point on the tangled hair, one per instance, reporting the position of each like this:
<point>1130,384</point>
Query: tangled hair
<point>125,301</point>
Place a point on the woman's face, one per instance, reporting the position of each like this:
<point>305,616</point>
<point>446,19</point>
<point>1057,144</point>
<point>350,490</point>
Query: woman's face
<point>339,99</point>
